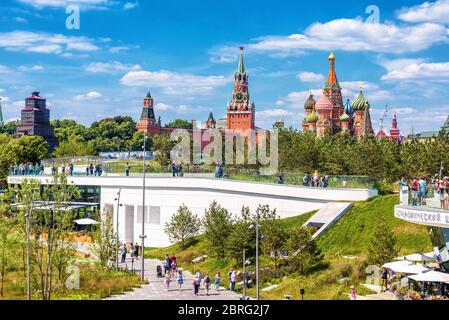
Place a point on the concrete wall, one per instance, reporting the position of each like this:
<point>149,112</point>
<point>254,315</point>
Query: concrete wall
<point>163,196</point>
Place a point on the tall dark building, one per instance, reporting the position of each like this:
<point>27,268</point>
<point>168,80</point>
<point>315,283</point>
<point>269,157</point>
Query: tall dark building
<point>35,120</point>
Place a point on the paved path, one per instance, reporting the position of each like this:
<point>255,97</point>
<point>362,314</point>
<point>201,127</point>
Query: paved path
<point>156,289</point>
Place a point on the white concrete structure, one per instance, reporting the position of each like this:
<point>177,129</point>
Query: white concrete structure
<point>164,195</point>
<point>329,214</point>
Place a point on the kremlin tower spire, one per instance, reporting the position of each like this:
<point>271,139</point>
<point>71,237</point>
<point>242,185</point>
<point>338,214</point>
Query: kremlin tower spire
<point>394,131</point>
<point>147,122</point>
<point>241,110</point>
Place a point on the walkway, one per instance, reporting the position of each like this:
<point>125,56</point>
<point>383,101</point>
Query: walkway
<point>156,289</point>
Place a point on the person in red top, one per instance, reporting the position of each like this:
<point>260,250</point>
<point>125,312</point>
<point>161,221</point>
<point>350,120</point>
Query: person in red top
<point>173,259</point>
<point>414,188</point>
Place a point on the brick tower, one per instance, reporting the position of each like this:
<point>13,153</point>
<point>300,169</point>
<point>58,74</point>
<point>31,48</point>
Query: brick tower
<point>147,122</point>
<point>241,110</point>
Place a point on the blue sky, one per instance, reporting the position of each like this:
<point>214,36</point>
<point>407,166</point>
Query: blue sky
<point>186,53</point>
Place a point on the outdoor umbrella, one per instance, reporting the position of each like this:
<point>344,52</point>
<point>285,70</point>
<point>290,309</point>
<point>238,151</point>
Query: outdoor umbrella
<point>431,276</point>
<point>418,257</point>
<point>405,267</point>
<point>85,222</point>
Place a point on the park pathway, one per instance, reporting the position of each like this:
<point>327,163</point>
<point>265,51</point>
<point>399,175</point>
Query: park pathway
<point>156,290</point>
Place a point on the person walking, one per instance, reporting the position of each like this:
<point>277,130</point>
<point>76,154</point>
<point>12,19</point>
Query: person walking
<point>91,169</point>
<point>87,170</point>
<point>217,281</point>
<point>131,250</point>
<point>167,263</point>
<point>136,251</point>
<point>384,280</point>
<point>196,285</point>
<point>422,191</point>
<point>173,169</point>
<point>124,251</point>
<point>233,279</point>
<point>127,169</point>
<point>353,293</point>
<point>71,169</point>
<point>207,283</point>
<point>414,187</point>
<point>180,279</point>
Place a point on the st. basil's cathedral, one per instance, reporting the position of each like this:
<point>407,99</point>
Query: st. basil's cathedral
<point>329,115</point>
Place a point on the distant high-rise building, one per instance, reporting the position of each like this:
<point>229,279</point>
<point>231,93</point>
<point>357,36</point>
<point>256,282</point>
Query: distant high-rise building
<point>35,120</point>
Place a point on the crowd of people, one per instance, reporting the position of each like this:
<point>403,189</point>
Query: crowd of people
<point>173,273</point>
<point>26,169</point>
<point>420,188</point>
<point>133,250</point>
<point>315,180</point>
<point>91,170</point>
<point>176,169</point>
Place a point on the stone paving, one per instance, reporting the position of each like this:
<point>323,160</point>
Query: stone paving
<point>156,289</point>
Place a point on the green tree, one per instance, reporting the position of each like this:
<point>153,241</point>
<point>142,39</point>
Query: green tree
<point>217,226</point>
<point>183,226</point>
<point>7,245</point>
<point>382,246</point>
<point>274,234</point>
<point>242,237</point>
<point>105,241</point>
<point>304,252</point>
<point>162,146</point>
<point>180,124</point>
<point>73,147</point>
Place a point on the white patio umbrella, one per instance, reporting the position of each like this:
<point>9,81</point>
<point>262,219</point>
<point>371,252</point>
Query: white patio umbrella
<point>418,257</point>
<point>431,276</point>
<point>86,222</point>
<point>405,267</point>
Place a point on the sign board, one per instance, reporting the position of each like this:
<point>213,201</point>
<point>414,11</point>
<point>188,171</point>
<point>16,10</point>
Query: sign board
<point>423,215</point>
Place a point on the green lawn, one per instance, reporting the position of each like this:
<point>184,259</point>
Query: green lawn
<point>348,237</point>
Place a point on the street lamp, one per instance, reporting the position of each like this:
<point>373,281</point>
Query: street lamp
<point>116,228</point>
<point>142,273</point>
<point>257,254</point>
<point>27,218</point>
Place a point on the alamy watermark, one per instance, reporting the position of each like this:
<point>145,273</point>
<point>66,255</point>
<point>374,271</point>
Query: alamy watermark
<point>374,14</point>
<point>229,147</point>
<point>73,21</point>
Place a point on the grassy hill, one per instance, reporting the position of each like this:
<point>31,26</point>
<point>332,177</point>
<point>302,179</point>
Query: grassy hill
<point>348,237</point>
<point>351,234</point>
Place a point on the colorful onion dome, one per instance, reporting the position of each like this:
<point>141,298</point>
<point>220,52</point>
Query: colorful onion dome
<point>348,108</point>
<point>344,117</point>
<point>324,103</point>
<point>310,102</point>
<point>312,117</point>
<point>360,102</point>
<point>332,56</point>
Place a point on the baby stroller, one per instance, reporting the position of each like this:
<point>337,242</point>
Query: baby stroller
<point>159,271</point>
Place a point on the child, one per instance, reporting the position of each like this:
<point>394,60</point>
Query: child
<point>353,293</point>
<point>217,281</point>
<point>167,280</point>
<point>180,279</point>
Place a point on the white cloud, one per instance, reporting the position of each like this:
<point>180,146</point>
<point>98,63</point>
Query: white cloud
<point>20,19</point>
<point>88,96</point>
<point>415,70</point>
<point>130,5</point>
<point>85,4</point>
<point>273,113</point>
<point>163,106</point>
<point>345,35</point>
<point>32,68</point>
<point>173,83</point>
<point>45,42</point>
<point>5,69</point>
<point>2,90</point>
<point>437,12</point>
<point>310,77</point>
<point>118,49</point>
<point>111,67</point>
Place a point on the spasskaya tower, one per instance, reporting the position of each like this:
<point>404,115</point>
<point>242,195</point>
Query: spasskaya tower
<point>241,110</point>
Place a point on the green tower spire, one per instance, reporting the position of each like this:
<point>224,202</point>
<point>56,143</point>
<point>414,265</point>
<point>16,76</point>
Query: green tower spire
<point>241,66</point>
